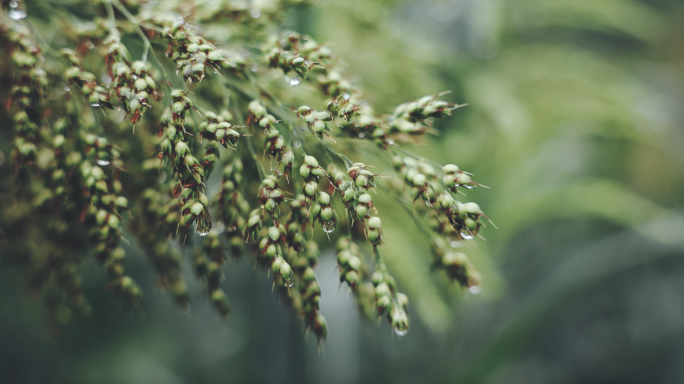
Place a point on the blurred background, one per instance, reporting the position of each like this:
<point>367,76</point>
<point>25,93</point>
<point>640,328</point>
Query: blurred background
<point>574,121</point>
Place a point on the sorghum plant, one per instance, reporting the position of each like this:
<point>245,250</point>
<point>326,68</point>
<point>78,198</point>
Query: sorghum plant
<point>122,117</point>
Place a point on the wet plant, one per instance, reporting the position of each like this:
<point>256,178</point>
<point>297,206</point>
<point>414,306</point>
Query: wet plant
<point>138,124</point>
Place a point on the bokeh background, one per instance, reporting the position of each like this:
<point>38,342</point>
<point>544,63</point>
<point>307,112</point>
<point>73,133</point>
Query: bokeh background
<point>574,121</point>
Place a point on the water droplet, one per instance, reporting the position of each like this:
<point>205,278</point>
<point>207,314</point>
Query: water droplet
<point>135,77</point>
<point>474,290</point>
<point>105,78</point>
<point>362,135</point>
<point>13,4</point>
<point>17,14</point>
<point>253,68</point>
<point>390,142</point>
<point>289,283</point>
<point>328,226</point>
<point>89,45</point>
<point>67,89</point>
<point>400,333</point>
<point>203,233</point>
<point>466,236</point>
<point>294,81</point>
<point>95,105</point>
<point>255,13</point>
<point>469,186</point>
<point>346,96</point>
<point>102,162</point>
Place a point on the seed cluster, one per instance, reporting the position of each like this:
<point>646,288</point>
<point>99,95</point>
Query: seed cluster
<point>77,168</point>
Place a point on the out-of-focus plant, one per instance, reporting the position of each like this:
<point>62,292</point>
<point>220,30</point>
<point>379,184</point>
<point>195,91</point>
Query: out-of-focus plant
<point>197,88</point>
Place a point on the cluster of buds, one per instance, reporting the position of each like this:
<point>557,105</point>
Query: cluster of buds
<point>158,221</point>
<point>270,196</point>
<point>95,93</point>
<point>310,171</point>
<point>134,86</point>
<point>218,128</point>
<point>315,120</point>
<point>274,143</point>
<point>388,300</point>
<point>455,264</point>
<point>297,223</point>
<point>27,58</point>
<point>420,177</point>
<point>103,189</point>
<point>296,54</point>
<point>334,84</point>
<point>362,178</point>
<point>453,220</point>
<point>343,106</point>
<point>323,211</point>
<point>79,173</point>
<point>304,258</point>
<point>350,265</point>
<point>189,172</point>
<point>409,119</point>
<point>424,108</point>
<point>272,255</point>
<point>191,52</point>
<point>350,194</point>
<point>455,178</point>
<point>207,262</point>
<point>232,206</point>
<point>25,143</point>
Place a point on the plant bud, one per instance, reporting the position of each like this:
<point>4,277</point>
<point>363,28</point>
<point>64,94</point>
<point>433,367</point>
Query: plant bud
<point>354,263</point>
<point>374,223</point>
<point>311,161</point>
<point>324,198</point>
<point>352,278</point>
<point>308,275</point>
<point>304,171</point>
<point>327,214</point>
<point>275,266</point>
<point>271,251</point>
<point>197,209</point>
<point>286,274</point>
<point>377,278</point>
<point>471,224</point>
<point>463,179</point>
<point>310,188</point>
<point>419,180</point>
<point>113,222</point>
<point>318,171</point>
<point>382,289</point>
<point>273,234</point>
<point>450,169</point>
<point>403,300</point>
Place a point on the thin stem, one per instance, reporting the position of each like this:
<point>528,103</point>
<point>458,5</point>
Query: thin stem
<point>397,148</point>
<point>132,19</point>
